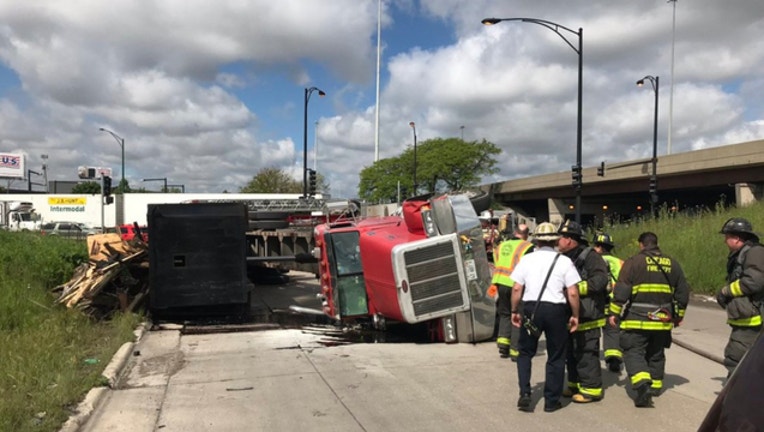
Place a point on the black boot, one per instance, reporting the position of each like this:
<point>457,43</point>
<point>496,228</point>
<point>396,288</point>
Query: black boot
<point>643,399</point>
<point>503,351</point>
<point>613,364</point>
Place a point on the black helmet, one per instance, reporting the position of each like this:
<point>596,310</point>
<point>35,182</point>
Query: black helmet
<point>604,239</point>
<point>738,226</point>
<point>571,229</point>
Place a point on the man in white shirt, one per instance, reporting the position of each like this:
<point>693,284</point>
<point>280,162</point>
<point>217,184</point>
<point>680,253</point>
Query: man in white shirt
<point>553,312</point>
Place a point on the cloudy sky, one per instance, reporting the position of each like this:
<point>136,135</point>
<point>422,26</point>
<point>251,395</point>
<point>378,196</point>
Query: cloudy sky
<point>208,93</point>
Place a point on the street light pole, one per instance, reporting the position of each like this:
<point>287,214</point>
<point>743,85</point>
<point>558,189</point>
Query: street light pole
<point>308,92</point>
<point>413,127</point>
<point>121,142</point>
<point>580,51</point>
<point>162,179</point>
<point>655,82</point>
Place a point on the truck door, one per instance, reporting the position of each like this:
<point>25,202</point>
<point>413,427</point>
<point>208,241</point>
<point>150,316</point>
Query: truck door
<point>347,273</point>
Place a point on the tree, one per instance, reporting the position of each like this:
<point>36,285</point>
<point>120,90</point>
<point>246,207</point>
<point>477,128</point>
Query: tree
<point>443,164</point>
<point>272,180</point>
<point>89,187</point>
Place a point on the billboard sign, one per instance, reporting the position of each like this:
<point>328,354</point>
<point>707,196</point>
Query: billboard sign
<point>12,165</point>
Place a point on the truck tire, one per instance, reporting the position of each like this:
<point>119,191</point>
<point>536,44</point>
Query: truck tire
<point>268,224</point>
<point>268,215</point>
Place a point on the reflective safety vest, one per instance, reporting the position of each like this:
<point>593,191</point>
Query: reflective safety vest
<point>510,252</point>
<point>614,268</point>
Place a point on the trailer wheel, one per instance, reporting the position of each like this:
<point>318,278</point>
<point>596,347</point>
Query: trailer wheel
<point>268,215</point>
<point>268,224</point>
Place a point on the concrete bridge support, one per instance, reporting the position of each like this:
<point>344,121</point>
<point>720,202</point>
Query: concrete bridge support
<point>748,193</point>
<point>557,210</point>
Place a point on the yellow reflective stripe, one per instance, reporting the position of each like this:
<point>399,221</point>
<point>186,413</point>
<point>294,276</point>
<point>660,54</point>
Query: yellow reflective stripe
<point>645,325</point>
<point>657,384</point>
<point>640,376</point>
<point>583,288</point>
<point>591,325</point>
<point>680,312</point>
<point>502,341</point>
<point>594,392</point>
<point>753,321</point>
<point>513,352</point>
<point>735,289</point>
<point>615,309</point>
<point>613,353</point>
<point>651,288</point>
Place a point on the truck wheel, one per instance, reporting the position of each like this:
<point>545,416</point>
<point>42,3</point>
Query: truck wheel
<point>268,224</point>
<point>268,215</point>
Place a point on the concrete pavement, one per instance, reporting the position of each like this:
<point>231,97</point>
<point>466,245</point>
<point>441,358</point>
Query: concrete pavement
<point>314,378</point>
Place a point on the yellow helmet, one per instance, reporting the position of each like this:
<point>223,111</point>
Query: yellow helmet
<point>546,232</point>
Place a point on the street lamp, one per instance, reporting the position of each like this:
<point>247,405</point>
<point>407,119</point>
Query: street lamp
<point>180,186</point>
<point>121,142</point>
<point>580,51</point>
<point>413,127</point>
<point>655,82</point>
<point>308,92</point>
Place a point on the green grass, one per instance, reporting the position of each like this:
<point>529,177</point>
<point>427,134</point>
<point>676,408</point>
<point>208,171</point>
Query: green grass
<point>44,346</point>
<point>694,241</point>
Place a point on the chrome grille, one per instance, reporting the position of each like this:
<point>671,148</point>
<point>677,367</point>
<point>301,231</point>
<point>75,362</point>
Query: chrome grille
<point>433,278</point>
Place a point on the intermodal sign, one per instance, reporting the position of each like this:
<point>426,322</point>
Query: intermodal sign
<point>12,165</point>
<point>67,204</point>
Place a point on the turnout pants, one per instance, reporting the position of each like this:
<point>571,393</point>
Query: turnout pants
<point>508,335</point>
<point>610,342</point>
<point>644,356</point>
<point>552,320</point>
<point>740,341</point>
<point>583,361</point>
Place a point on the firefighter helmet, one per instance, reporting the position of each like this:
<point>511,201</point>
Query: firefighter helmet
<point>738,226</point>
<point>546,232</point>
<point>603,239</point>
<point>485,215</point>
<point>571,229</point>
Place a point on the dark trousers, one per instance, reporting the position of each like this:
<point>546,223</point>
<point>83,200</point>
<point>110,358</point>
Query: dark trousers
<point>583,361</point>
<point>508,335</point>
<point>740,341</point>
<point>644,355</point>
<point>610,342</point>
<point>552,320</point>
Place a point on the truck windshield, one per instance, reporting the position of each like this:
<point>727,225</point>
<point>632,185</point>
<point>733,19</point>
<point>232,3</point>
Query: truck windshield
<point>26,217</point>
<point>347,253</point>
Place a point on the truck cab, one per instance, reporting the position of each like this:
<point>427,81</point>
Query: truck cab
<point>426,265</point>
<point>20,216</point>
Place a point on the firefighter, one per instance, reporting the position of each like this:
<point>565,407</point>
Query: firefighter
<point>508,255</point>
<point>654,288</point>
<point>743,296</point>
<point>584,370</point>
<point>603,245</point>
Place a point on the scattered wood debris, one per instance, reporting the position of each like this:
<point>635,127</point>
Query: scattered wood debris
<point>114,278</point>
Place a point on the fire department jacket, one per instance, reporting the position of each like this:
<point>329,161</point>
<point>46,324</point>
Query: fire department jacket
<point>745,277</point>
<point>647,299</point>
<point>593,286</point>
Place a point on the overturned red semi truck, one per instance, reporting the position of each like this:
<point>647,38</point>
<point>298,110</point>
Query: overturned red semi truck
<point>427,265</point>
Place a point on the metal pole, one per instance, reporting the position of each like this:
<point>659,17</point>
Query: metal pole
<point>379,57</point>
<point>305,146</point>
<point>578,134</point>
<point>413,127</point>
<point>671,93</point>
<point>103,225</point>
<point>122,182</point>
<point>653,198</point>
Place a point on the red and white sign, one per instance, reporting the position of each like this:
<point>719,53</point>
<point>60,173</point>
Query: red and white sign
<point>12,165</point>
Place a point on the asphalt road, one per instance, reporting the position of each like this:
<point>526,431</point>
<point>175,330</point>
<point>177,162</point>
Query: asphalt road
<point>318,378</point>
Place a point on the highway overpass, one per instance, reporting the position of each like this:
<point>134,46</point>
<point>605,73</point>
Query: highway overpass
<point>731,174</point>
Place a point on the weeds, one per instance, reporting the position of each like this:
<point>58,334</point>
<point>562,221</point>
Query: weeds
<point>44,346</point>
<point>693,239</point>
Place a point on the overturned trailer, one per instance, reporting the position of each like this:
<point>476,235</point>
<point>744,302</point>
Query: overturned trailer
<point>428,265</point>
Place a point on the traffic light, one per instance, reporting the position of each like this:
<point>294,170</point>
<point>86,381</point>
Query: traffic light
<point>576,176</point>
<point>312,185</point>
<point>106,190</point>
<point>601,169</point>
<point>653,185</point>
